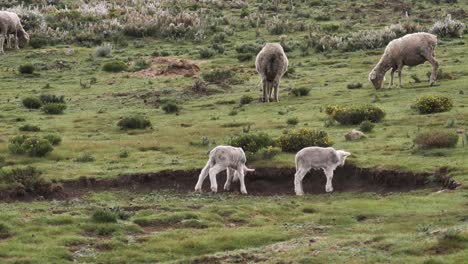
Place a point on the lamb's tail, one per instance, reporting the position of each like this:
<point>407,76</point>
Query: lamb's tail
<point>236,174</point>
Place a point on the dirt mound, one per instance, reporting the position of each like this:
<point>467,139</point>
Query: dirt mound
<point>167,66</point>
<point>264,181</point>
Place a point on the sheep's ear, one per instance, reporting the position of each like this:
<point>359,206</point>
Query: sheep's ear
<point>347,153</point>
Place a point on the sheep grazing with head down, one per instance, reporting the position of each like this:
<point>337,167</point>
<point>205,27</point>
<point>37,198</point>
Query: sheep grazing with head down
<point>11,24</point>
<point>221,158</point>
<point>409,50</point>
<point>271,63</point>
<point>327,159</point>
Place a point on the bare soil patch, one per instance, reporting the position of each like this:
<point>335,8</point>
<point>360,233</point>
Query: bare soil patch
<point>264,181</point>
<point>168,66</point>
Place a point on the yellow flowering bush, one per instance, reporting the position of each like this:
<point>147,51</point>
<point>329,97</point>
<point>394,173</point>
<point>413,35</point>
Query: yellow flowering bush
<point>429,104</point>
<point>304,137</point>
<point>353,115</point>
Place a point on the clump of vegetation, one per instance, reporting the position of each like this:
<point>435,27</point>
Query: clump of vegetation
<point>51,98</point>
<point>356,85</point>
<point>26,69</point>
<point>436,139</point>
<point>85,157</point>
<point>251,48</point>
<point>366,126</point>
<point>433,104</point>
<point>292,121</point>
<point>31,145</point>
<point>37,43</point>
<point>141,64</point>
<point>29,128</point>
<point>267,153</point>
<point>251,142</point>
<point>206,53</point>
<point>448,27</point>
<point>54,139</point>
<point>301,91</point>
<point>279,26</point>
<point>4,231</point>
<point>104,216</point>
<point>170,107</point>
<point>221,77</point>
<point>246,99</point>
<point>353,115</point>
<point>115,66</point>
<point>301,138</point>
<point>28,178</point>
<point>124,153</point>
<point>103,51</point>
<point>54,108</point>
<point>32,102</point>
<point>134,122</point>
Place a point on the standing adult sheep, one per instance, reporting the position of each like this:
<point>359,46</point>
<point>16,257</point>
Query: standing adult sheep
<point>11,24</point>
<point>410,50</point>
<point>271,63</point>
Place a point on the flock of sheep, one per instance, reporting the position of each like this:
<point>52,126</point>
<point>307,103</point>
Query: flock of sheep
<point>271,64</point>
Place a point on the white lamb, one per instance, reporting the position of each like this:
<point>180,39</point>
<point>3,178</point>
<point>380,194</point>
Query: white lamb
<point>221,158</point>
<point>11,24</point>
<point>327,159</point>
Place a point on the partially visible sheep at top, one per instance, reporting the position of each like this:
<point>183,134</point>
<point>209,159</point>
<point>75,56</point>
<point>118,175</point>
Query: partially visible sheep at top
<point>271,63</point>
<point>409,50</point>
<point>11,24</point>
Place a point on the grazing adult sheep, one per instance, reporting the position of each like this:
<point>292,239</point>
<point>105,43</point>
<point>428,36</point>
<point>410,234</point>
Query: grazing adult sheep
<point>410,50</point>
<point>221,158</point>
<point>271,63</point>
<point>11,24</point>
<point>327,159</point>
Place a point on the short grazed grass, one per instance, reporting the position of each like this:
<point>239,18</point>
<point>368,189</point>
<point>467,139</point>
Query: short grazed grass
<point>415,227</point>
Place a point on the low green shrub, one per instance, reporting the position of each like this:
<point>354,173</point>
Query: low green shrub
<point>54,139</point>
<point>267,153</point>
<point>32,102</point>
<point>366,126</point>
<point>85,157</point>
<point>124,153</point>
<point>217,76</point>
<point>28,177</point>
<point>246,99</point>
<point>38,42</point>
<point>103,51</point>
<point>32,146</point>
<point>206,53</point>
<point>26,69</point>
<point>29,128</point>
<point>292,121</point>
<point>251,142</point>
<point>51,98</point>
<point>141,64</point>
<point>304,137</point>
<point>54,108</point>
<point>170,107</point>
<point>134,122</point>
<point>436,139</point>
<point>353,115</point>
<point>115,66</point>
<point>301,91</point>
<point>4,231</point>
<point>433,104</point>
<point>104,216</point>
<point>352,86</point>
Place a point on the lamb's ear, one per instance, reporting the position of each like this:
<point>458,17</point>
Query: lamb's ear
<point>346,154</point>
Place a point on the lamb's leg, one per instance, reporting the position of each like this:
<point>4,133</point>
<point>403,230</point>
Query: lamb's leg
<point>240,174</point>
<point>16,42</point>
<point>202,177</point>
<point>329,175</point>
<point>298,177</point>
<point>230,172</point>
<point>213,172</point>
<point>392,73</point>
<point>430,56</point>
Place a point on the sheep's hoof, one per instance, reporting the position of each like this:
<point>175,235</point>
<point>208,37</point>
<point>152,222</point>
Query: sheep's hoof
<point>299,193</point>
<point>226,188</point>
<point>214,189</point>
<point>198,189</point>
<point>329,189</point>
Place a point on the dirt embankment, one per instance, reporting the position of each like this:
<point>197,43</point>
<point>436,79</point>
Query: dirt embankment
<point>264,181</point>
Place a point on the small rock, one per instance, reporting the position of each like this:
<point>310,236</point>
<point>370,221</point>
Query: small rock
<point>354,135</point>
<point>69,52</point>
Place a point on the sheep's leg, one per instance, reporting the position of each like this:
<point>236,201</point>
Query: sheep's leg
<point>2,40</point>
<point>240,174</point>
<point>399,76</point>
<point>270,90</point>
<point>329,175</point>
<point>213,172</point>
<point>392,73</point>
<point>275,93</point>
<point>435,66</point>
<point>298,177</point>
<point>229,173</point>
<point>202,177</point>
<point>16,42</point>
<point>265,91</point>
<point>8,41</point>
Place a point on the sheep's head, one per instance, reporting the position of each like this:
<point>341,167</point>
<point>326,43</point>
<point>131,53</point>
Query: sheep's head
<point>343,155</point>
<point>23,38</point>
<point>376,77</point>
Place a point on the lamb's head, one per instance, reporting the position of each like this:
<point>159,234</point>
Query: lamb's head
<point>377,77</point>
<point>342,156</point>
<point>23,38</point>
